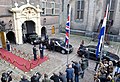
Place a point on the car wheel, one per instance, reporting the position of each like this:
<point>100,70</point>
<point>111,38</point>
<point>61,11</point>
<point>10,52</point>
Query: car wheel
<point>63,51</point>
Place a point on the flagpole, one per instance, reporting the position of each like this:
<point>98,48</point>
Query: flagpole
<point>69,33</point>
<point>106,15</point>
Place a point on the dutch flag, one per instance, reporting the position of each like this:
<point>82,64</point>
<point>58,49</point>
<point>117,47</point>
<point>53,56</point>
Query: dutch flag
<point>101,35</point>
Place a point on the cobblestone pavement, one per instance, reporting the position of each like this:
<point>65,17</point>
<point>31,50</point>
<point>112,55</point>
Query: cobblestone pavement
<point>57,61</point>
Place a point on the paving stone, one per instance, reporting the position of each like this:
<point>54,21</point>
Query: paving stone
<point>57,61</point>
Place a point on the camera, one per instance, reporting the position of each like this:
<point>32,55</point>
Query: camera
<point>9,72</point>
<point>36,77</point>
<point>6,77</point>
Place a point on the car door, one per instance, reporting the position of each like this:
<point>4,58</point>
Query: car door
<point>57,46</point>
<point>92,53</point>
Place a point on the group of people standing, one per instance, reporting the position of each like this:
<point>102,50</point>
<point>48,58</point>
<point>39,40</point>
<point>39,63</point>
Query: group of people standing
<point>41,49</point>
<point>106,72</point>
<point>76,70</point>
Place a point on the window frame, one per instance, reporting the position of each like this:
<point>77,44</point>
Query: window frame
<point>111,11</point>
<point>80,10</point>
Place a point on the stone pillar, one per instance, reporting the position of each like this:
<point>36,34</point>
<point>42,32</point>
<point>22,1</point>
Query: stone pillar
<point>38,22</point>
<point>15,27</point>
<point>18,29</point>
<point>38,25</point>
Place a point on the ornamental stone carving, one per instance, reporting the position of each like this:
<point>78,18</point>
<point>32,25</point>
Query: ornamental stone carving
<point>26,12</point>
<point>29,12</point>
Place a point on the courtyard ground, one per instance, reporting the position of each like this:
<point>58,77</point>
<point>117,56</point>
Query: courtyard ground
<point>57,61</point>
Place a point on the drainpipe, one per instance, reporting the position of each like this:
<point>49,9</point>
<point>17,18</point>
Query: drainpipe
<point>87,15</point>
<point>59,19</point>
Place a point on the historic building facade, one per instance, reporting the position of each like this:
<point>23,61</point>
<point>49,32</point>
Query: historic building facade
<point>19,17</point>
<point>86,15</point>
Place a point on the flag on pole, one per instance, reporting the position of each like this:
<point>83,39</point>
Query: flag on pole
<point>67,28</point>
<point>102,34</point>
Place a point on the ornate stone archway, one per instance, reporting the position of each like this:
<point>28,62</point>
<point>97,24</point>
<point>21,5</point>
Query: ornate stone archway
<point>25,13</point>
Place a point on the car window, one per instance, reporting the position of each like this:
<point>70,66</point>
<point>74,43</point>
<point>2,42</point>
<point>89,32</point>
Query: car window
<point>61,42</point>
<point>33,36</point>
<point>92,50</point>
<point>57,43</point>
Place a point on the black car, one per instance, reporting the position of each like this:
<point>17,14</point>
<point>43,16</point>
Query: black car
<point>92,55</point>
<point>59,45</point>
<point>32,38</point>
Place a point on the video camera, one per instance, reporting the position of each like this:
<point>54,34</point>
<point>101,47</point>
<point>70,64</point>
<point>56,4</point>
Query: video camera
<point>9,72</point>
<point>6,76</point>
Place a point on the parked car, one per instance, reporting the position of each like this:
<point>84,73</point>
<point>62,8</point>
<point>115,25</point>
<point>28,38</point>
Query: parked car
<point>92,55</point>
<point>32,38</point>
<point>59,45</point>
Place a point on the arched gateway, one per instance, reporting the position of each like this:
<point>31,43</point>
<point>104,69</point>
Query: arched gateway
<point>26,20</point>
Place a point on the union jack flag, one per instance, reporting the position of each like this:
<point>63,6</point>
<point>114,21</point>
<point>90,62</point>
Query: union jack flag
<point>67,28</point>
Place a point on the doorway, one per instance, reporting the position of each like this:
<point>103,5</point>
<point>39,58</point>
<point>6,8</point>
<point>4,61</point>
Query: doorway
<point>28,27</point>
<point>11,37</point>
<point>43,31</point>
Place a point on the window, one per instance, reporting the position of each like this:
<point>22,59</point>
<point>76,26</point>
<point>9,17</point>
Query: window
<point>80,9</point>
<point>62,5</point>
<point>43,7</point>
<point>68,9</point>
<point>43,4</point>
<point>50,7</point>
<point>111,8</point>
<point>53,8</point>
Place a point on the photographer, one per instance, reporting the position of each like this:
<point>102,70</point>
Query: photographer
<point>24,79</point>
<point>6,77</point>
<point>36,77</point>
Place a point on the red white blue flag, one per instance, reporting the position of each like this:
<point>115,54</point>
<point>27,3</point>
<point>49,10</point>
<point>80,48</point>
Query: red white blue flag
<point>67,28</point>
<point>101,35</point>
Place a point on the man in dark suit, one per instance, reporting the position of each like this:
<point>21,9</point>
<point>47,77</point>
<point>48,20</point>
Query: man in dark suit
<point>35,52</point>
<point>41,48</point>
